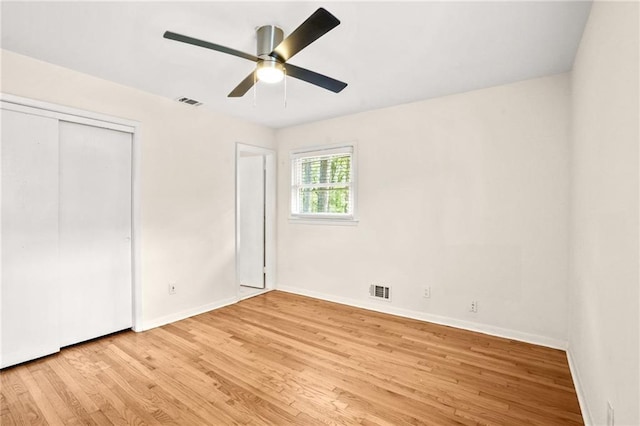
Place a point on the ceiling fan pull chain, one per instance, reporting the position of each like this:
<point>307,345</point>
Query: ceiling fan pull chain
<point>255,89</point>
<point>284,69</point>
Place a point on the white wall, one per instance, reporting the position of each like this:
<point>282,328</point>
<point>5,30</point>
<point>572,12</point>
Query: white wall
<point>467,194</point>
<point>604,325</point>
<point>188,184</point>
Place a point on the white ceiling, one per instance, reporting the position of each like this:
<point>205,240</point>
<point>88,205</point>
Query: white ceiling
<point>388,52</point>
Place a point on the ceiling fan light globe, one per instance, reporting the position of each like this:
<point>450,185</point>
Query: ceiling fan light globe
<point>270,72</point>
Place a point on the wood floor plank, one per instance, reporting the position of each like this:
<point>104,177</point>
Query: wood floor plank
<point>48,412</point>
<point>25,411</point>
<point>279,359</point>
<point>189,385</point>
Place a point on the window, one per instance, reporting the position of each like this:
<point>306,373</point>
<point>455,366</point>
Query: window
<point>322,184</point>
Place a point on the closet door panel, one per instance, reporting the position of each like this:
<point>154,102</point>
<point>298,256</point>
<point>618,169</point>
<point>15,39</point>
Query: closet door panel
<point>29,287</point>
<point>95,232</point>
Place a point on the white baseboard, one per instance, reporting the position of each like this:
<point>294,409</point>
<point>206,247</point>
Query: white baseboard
<point>582,400</point>
<point>437,319</point>
<point>177,316</point>
<point>422,316</point>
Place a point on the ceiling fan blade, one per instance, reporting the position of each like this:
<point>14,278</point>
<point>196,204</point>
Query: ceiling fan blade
<point>323,81</point>
<point>196,42</point>
<point>243,87</point>
<point>316,25</point>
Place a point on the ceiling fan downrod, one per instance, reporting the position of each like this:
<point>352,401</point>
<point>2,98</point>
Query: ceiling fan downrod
<point>269,37</point>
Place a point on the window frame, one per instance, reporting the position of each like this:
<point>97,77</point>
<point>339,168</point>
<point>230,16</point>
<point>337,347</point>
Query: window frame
<point>323,218</point>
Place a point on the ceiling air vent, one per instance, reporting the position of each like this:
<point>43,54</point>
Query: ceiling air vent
<point>380,292</point>
<point>189,101</point>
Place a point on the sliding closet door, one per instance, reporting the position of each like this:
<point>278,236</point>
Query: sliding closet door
<point>29,237</point>
<point>95,232</point>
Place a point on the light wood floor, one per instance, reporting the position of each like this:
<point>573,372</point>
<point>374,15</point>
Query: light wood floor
<point>285,359</point>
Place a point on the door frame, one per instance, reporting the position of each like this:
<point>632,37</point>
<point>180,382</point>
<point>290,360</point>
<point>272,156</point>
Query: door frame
<point>269,156</point>
<point>74,115</point>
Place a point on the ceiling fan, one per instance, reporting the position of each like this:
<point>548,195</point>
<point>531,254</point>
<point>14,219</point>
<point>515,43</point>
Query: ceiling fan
<point>273,53</point>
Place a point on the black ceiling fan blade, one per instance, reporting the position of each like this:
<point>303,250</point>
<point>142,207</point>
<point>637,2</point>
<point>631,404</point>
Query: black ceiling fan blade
<point>316,25</point>
<point>207,45</point>
<point>243,87</point>
<point>323,81</point>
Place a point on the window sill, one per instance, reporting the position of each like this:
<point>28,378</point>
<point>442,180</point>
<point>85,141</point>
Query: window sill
<point>323,221</point>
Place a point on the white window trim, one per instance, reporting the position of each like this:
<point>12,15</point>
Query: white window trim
<point>326,218</point>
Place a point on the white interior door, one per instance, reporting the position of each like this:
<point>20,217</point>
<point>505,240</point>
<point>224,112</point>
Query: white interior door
<point>95,232</point>
<point>251,192</point>
<point>28,307</point>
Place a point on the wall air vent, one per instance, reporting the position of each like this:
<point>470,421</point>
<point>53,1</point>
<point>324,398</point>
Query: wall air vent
<point>380,292</point>
<point>189,101</point>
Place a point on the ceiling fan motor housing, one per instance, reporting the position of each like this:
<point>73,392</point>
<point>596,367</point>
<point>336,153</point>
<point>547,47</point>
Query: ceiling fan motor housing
<point>269,37</point>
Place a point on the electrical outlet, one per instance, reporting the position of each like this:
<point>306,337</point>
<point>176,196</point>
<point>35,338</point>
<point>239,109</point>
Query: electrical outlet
<point>610,418</point>
<point>427,292</point>
<point>473,307</point>
<point>172,287</point>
